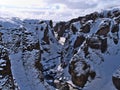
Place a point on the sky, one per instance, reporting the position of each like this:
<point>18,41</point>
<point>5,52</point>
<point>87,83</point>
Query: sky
<point>53,9</point>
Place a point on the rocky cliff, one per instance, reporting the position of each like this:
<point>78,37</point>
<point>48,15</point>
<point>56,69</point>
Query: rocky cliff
<point>80,54</point>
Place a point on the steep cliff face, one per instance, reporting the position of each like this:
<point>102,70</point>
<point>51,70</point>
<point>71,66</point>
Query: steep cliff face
<point>33,51</point>
<point>6,77</point>
<point>91,49</point>
<point>32,56</point>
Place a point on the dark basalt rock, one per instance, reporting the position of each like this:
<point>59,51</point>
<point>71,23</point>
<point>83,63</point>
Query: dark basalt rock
<point>80,77</point>
<point>41,22</point>
<point>37,28</point>
<point>80,80</point>
<point>117,19</point>
<point>85,50</point>
<point>51,23</point>
<point>65,87</point>
<point>75,20</point>
<point>116,82</point>
<point>101,15</point>
<point>104,45</point>
<point>5,66</point>
<point>115,28</point>
<point>78,42</point>
<point>92,16</point>
<point>74,29</point>
<point>116,13</point>
<point>1,36</point>
<point>61,85</point>
<point>109,14</point>
<point>115,41</point>
<point>103,31</point>
<point>1,26</point>
<point>115,35</point>
<point>85,28</point>
<point>92,74</point>
<point>46,37</point>
<point>33,46</point>
<point>94,42</point>
<point>38,65</point>
<point>60,28</point>
<point>41,28</point>
<point>17,44</point>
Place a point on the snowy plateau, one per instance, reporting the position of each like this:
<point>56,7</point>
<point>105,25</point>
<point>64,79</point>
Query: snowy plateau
<point>80,54</point>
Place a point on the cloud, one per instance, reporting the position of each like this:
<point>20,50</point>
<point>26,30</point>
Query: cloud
<point>74,4</point>
<point>53,9</point>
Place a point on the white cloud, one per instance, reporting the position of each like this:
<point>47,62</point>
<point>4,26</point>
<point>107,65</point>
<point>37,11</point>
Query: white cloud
<point>22,3</point>
<point>53,9</point>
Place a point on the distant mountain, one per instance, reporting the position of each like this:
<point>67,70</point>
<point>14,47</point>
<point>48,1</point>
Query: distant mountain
<point>80,54</point>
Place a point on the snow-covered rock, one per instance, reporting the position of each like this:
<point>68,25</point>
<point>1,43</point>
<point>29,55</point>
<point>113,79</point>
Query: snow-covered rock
<point>34,57</point>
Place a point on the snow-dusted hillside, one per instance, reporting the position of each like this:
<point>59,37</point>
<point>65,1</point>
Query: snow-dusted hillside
<point>80,54</point>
